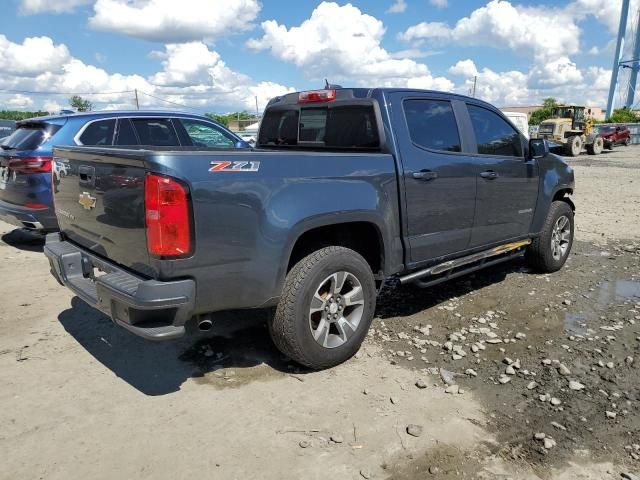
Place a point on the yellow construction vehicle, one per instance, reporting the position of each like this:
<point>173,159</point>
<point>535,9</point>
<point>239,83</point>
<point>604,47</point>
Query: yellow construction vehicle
<point>570,127</point>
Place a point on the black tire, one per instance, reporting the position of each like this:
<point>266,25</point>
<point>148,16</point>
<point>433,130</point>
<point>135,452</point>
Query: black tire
<point>596,147</point>
<point>573,147</point>
<point>539,254</point>
<point>290,328</point>
<point>627,142</point>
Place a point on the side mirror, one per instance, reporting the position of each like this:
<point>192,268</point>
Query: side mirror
<point>242,144</point>
<point>538,148</point>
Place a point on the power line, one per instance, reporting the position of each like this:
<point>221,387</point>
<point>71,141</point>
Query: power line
<point>172,103</point>
<point>33,92</point>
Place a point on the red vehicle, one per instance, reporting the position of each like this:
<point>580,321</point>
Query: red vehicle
<point>614,135</point>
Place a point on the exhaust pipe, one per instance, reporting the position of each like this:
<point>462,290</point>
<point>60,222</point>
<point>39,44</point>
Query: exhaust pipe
<point>205,324</point>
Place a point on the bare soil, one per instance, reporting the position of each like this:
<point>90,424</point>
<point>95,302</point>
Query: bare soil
<point>82,398</point>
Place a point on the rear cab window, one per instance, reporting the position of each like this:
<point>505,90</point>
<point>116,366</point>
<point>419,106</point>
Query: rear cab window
<point>432,124</point>
<point>340,125</point>
<point>30,136</point>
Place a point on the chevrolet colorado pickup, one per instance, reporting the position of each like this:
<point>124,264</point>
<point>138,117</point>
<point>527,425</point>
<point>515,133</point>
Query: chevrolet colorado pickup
<point>346,189</point>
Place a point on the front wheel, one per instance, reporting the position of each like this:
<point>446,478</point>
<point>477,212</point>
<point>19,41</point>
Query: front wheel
<point>326,308</point>
<point>549,252</point>
<point>573,147</point>
<point>596,147</point>
<point>627,142</point>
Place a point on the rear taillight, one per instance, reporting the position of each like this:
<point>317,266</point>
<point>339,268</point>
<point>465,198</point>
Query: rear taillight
<point>36,205</point>
<point>167,217</point>
<point>317,96</point>
<point>31,164</point>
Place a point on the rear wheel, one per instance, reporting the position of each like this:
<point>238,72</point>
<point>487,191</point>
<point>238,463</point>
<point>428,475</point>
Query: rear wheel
<point>596,147</point>
<point>326,308</point>
<point>549,252</point>
<point>573,147</point>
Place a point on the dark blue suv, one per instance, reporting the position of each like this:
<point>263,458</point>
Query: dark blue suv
<point>27,166</point>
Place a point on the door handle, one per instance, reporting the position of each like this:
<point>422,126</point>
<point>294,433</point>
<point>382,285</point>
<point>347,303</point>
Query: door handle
<point>425,175</point>
<point>489,175</point>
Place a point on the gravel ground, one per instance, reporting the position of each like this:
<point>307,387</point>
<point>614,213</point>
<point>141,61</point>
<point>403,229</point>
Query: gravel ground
<point>502,374</point>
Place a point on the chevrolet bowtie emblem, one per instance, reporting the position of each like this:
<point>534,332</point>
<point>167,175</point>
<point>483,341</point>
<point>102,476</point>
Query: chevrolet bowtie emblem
<point>87,201</point>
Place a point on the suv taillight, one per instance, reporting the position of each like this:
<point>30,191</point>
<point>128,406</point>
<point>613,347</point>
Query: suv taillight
<point>31,164</point>
<point>167,216</point>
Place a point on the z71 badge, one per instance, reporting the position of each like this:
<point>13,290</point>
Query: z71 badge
<point>234,166</point>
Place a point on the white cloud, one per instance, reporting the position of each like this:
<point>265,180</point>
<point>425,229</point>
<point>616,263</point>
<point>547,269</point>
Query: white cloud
<point>191,75</point>
<point>33,55</point>
<point>542,32</point>
<point>339,43</point>
<point>561,71</point>
<point>439,3</point>
<point>398,6</point>
<point>171,21</point>
<point>19,101</point>
<point>30,7</point>
<point>512,88</point>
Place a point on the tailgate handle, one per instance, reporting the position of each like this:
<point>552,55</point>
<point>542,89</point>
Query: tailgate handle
<point>87,176</point>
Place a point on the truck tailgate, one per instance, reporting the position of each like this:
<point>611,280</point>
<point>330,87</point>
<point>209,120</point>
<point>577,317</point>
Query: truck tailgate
<point>100,203</point>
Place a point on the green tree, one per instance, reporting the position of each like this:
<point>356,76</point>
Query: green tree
<point>622,115</point>
<point>80,104</point>
<point>544,113</point>
<point>228,117</point>
<point>18,115</point>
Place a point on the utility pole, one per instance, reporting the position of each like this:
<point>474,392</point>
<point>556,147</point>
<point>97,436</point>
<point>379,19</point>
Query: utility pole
<point>137,103</point>
<point>624,16</point>
<point>635,66</point>
<point>475,84</point>
<point>257,111</point>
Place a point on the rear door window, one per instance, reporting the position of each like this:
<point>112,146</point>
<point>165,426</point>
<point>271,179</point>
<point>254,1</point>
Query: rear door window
<point>98,133</point>
<point>30,136</point>
<point>337,127</point>
<point>432,124</point>
<point>125,135</point>
<point>494,135</point>
<point>156,132</point>
<point>204,134</point>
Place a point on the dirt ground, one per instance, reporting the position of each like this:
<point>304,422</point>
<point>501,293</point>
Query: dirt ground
<point>528,354</point>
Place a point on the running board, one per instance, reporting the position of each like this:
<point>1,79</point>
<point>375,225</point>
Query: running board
<point>446,271</point>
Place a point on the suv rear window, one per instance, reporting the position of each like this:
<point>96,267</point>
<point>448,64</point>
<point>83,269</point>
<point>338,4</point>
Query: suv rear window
<point>30,136</point>
<point>336,126</point>
<point>157,132</point>
<point>99,132</point>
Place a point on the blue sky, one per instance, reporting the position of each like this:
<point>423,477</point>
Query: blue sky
<point>218,55</point>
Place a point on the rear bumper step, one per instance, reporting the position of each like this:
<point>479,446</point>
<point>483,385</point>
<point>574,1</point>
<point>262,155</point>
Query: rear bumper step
<point>454,268</point>
<point>152,309</point>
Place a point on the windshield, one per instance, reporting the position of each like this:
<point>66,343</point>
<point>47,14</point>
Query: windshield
<point>29,136</point>
<point>605,129</point>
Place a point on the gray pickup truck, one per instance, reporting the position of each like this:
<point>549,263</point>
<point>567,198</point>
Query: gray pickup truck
<point>346,189</point>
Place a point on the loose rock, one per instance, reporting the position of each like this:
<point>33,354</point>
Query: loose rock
<point>573,385</point>
<point>415,430</point>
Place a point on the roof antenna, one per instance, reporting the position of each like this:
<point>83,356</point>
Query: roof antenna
<point>328,85</point>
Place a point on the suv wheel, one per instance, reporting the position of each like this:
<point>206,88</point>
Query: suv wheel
<point>549,252</point>
<point>327,304</point>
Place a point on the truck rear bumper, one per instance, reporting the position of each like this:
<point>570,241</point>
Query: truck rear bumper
<point>152,309</point>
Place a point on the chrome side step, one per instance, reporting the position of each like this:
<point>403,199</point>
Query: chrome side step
<point>446,269</point>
